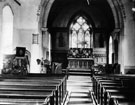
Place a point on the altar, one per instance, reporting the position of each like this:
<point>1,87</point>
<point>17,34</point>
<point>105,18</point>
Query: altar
<point>80,59</point>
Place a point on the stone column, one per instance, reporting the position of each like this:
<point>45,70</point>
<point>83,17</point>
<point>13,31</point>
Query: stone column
<point>129,47</point>
<point>45,41</point>
<point>107,49</point>
<point>129,39</point>
<point>36,48</point>
<point>116,34</point>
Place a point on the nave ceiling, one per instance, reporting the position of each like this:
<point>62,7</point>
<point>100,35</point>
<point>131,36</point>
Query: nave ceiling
<point>98,12</point>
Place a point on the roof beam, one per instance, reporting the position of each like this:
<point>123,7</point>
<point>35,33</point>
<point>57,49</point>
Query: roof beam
<point>18,2</point>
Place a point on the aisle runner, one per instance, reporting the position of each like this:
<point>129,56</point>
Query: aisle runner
<point>79,90</point>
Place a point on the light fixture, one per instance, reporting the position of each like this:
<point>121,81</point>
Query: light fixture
<point>88,2</point>
<point>35,38</point>
<point>133,8</point>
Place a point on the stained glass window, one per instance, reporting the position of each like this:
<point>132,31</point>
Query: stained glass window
<point>81,35</point>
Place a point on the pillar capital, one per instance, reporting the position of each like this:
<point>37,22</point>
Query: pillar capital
<point>44,29</point>
<point>115,34</point>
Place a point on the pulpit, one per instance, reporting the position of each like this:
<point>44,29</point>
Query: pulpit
<point>80,59</point>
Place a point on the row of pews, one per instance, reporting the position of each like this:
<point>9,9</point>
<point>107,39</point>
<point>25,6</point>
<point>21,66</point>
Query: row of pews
<point>114,89</point>
<point>33,89</point>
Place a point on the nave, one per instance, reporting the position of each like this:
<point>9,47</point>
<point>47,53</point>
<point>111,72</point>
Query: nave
<point>58,89</point>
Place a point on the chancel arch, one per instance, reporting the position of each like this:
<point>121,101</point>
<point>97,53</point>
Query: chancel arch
<point>56,15</point>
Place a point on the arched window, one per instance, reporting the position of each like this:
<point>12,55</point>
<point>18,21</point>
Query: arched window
<point>81,35</point>
<point>7,30</point>
<point>110,50</point>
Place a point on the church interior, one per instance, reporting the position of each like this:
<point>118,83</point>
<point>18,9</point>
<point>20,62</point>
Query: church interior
<point>67,52</point>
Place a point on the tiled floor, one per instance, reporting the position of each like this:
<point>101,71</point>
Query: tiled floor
<point>79,88</point>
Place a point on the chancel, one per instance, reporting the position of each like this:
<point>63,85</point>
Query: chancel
<point>67,52</point>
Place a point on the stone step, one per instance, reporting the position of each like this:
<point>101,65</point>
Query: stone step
<point>79,87</point>
<point>80,73</point>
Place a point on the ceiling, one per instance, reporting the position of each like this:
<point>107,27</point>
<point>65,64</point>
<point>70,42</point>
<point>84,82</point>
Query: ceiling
<point>98,12</point>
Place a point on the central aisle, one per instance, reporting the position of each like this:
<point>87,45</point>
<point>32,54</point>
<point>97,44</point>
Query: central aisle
<point>79,88</point>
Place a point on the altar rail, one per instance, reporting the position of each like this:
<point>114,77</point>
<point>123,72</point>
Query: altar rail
<point>80,63</point>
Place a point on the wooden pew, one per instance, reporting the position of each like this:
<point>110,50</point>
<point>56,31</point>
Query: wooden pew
<point>35,81</point>
<point>117,92</point>
<point>120,93</point>
<point>123,101</point>
<point>55,77</point>
<point>99,83</point>
<point>31,89</point>
<point>54,89</point>
<point>37,88</point>
<point>125,92</point>
<point>26,97</point>
<point>17,101</point>
<point>113,91</point>
<point>28,87</point>
<point>44,81</point>
<point>104,84</point>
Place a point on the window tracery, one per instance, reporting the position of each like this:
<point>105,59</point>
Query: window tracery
<point>80,34</point>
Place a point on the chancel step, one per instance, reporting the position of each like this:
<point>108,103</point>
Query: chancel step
<point>79,72</point>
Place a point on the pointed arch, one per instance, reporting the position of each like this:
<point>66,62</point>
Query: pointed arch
<point>84,15</point>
